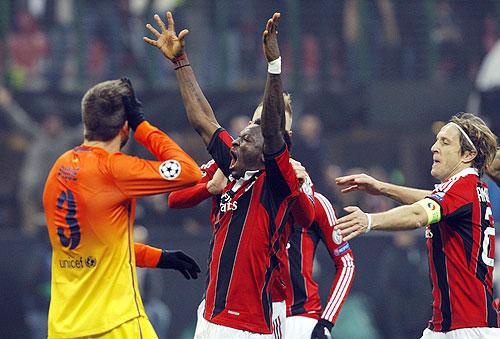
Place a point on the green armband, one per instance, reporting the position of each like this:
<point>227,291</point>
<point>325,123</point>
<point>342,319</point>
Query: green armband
<point>432,208</point>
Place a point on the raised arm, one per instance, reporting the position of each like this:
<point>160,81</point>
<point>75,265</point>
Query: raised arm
<point>370,185</point>
<point>273,110</point>
<point>199,112</point>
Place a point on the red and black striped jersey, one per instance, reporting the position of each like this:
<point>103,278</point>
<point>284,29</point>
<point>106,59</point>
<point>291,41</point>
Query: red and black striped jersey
<point>301,213</point>
<point>461,250</point>
<point>303,298</point>
<point>251,216</point>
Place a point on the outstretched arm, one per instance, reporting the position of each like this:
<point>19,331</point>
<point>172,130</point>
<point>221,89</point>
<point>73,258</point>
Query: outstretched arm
<point>199,112</point>
<point>273,110</point>
<point>363,182</point>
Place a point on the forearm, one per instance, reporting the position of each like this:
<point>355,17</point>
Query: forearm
<point>400,219</point>
<point>199,112</point>
<point>189,197</point>
<point>404,195</point>
<point>273,114</point>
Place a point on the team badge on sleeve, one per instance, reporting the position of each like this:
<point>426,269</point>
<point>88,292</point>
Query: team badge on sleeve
<point>170,169</point>
<point>336,237</point>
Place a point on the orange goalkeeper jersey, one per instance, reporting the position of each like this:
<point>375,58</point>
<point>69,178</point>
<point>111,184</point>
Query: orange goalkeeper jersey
<point>89,203</point>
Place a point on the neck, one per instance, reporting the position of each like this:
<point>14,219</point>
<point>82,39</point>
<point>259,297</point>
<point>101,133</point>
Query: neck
<point>110,146</point>
<point>458,168</point>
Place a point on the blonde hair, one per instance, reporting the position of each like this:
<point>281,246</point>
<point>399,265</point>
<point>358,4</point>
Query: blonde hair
<point>482,139</point>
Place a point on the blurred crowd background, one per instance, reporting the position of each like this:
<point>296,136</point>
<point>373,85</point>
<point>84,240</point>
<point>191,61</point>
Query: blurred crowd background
<point>371,82</point>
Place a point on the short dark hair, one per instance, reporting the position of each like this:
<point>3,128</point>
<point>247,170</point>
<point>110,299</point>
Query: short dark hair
<point>103,113</point>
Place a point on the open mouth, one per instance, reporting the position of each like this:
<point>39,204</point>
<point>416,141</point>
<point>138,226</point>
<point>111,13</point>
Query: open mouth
<point>234,159</point>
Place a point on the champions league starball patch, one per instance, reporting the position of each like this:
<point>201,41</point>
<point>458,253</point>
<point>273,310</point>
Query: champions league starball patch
<point>170,169</point>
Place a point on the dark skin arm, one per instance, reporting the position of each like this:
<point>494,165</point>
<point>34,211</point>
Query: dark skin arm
<point>273,110</point>
<point>199,112</point>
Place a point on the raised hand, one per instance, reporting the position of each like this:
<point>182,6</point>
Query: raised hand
<point>270,39</point>
<point>353,224</point>
<point>171,45</point>
<point>359,182</point>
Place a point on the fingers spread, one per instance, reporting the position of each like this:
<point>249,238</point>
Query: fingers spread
<point>185,274</point>
<point>153,30</point>
<point>149,41</point>
<point>170,21</point>
<point>160,22</point>
<point>183,34</point>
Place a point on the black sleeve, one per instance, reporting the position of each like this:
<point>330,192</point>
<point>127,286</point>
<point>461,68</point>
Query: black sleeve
<point>219,148</point>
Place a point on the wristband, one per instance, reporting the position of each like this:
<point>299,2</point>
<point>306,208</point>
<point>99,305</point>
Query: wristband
<point>274,67</point>
<point>180,61</point>
<point>369,227</point>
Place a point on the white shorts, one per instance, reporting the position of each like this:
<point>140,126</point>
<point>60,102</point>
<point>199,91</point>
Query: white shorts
<point>279,319</point>
<point>298,327</point>
<point>207,330</point>
<point>464,333</point>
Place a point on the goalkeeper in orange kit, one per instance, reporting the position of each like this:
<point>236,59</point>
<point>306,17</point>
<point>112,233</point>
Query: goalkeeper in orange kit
<point>89,203</point>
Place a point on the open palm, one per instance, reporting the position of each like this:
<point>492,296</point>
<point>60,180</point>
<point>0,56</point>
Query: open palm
<point>167,41</point>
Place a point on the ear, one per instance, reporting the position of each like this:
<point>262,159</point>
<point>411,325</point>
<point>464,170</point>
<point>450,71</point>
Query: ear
<point>125,126</point>
<point>469,156</point>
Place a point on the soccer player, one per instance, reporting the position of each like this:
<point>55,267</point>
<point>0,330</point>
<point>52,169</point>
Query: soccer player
<point>305,318</point>
<point>89,202</point>
<point>255,203</point>
<point>459,228</point>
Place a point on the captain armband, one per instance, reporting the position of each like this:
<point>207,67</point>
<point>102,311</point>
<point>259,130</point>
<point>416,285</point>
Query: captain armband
<point>432,208</point>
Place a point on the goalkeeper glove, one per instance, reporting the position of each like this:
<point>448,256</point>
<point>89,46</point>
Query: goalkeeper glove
<point>133,107</point>
<point>179,261</point>
<point>322,330</point>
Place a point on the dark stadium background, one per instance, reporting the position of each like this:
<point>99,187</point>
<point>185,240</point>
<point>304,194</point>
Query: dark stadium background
<point>370,82</point>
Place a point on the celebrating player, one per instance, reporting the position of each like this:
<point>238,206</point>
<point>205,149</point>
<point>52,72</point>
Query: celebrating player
<point>89,203</point>
<point>255,203</point>
<point>459,228</point>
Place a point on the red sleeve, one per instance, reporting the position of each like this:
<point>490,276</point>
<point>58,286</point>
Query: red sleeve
<point>341,254</point>
<point>303,209</point>
<point>192,196</point>
<point>146,256</point>
<point>454,194</point>
<point>139,177</point>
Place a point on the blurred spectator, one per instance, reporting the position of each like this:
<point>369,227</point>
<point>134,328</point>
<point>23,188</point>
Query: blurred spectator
<point>486,99</point>
<point>401,282</point>
<point>103,38</point>
<point>28,49</point>
<point>57,19</point>
<point>309,147</point>
<point>49,140</point>
<point>447,36</point>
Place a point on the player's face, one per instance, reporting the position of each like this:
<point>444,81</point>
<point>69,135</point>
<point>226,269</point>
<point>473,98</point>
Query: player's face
<point>446,154</point>
<point>246,151</point>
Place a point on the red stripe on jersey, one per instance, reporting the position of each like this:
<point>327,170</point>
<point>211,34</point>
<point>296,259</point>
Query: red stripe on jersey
<point>461,249</point>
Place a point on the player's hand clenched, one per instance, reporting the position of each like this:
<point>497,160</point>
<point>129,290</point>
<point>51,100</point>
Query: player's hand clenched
<point>322,330</point>
<point>181,262</point>
<point>133,107</point>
